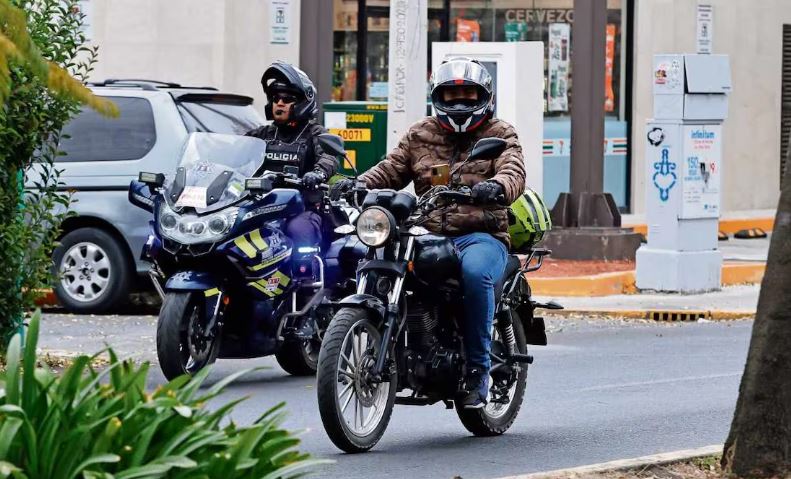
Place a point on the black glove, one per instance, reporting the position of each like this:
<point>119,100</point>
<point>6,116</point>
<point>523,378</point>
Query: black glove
<point>487,192</point>
<point>340,188</point>
<point>313,179</point>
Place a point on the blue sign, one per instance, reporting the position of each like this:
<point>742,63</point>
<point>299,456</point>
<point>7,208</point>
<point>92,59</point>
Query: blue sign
<point>664,175</point>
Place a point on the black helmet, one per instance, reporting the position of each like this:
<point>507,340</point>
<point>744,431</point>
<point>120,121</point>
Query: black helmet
<point>462,116</point>
<point>285,78</point>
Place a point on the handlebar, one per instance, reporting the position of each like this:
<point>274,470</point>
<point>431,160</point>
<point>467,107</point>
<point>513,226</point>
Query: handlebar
<point>293,180</point>
<point>463,197</point>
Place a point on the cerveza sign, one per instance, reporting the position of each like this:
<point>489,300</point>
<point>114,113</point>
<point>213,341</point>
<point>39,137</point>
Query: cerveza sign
<point>539,15</point>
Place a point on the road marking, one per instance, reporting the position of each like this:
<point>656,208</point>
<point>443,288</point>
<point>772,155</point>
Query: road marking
<point>659,381</point>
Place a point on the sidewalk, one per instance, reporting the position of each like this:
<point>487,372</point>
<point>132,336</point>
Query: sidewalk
<point>68,335</point>
<point>732,302</point>
<point>744,262</point>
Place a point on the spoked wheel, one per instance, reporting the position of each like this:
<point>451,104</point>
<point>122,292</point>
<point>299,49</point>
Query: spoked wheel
<point>183,344</point>
<point>506,389</point>
<point>355,409</point>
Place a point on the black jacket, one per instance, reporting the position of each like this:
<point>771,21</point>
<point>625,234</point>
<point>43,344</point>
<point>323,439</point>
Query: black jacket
<point>316,159</point>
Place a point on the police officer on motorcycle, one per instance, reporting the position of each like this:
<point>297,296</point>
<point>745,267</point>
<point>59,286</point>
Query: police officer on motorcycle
<point>463,100</point>
<point>292,141</point>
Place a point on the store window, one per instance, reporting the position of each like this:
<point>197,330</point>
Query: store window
<point>548,21</point>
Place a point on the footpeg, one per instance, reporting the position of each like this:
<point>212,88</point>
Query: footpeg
<point>521,358</point>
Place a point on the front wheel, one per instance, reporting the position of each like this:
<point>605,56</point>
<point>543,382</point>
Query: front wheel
<point>354,409</point>
<point>183,344</point>
<point>299,358</point>
<point>506,390</point>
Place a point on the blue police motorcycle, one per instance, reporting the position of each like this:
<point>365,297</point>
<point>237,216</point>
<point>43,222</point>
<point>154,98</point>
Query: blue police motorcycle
<point>233,284</point>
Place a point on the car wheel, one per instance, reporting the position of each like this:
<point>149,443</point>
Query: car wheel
<point>93,271</point>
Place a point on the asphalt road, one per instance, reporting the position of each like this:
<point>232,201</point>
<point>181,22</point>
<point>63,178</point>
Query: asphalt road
<point>603,390</point>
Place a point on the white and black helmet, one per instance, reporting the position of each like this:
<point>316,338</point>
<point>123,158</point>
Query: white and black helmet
<point>284,78</point>
<point>462,116</point>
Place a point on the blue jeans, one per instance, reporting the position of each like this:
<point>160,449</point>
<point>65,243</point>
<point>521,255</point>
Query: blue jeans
<point>483,261</point>
<point>305,229</point>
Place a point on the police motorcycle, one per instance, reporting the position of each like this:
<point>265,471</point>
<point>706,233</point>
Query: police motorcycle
<point>233,284</point>
<point>397,340</point>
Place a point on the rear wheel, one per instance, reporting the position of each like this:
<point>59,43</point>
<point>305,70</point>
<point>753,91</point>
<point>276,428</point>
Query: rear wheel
<point>355,410</point>
<point>183,346</point>
<point>504,402</point>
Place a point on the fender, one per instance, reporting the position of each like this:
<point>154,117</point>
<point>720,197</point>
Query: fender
<point>365,301</point>
<point>191,281</point>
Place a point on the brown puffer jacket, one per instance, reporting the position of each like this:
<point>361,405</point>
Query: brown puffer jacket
<point>427,144</point>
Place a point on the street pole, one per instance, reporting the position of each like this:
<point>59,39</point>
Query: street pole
<point>587,218</point>
<point>406,101</point>
<point>587,112</point>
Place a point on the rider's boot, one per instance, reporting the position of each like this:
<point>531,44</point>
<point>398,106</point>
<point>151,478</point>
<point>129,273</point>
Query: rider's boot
<point>476,389</point>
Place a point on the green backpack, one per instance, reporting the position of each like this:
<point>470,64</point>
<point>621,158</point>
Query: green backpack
<point>528,221</point>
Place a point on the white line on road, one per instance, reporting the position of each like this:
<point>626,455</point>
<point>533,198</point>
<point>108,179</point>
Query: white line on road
<point>659,381</point>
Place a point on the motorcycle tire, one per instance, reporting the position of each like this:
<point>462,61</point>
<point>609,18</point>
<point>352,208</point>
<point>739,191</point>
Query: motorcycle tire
<point>178,309</point>
<point>479,421</point>
<point>329,374</point>
<point>298,358</point>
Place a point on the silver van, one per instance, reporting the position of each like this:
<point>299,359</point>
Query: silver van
<point>98,256</point>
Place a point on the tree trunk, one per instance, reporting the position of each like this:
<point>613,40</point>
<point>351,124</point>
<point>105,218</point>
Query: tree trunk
<point>759,443</point>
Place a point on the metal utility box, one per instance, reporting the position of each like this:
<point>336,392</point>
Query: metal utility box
<point>691,87</point>
<point>683,174</point>
<point>363,127</point>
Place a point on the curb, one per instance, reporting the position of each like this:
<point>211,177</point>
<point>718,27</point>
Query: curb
<point>622,464</point>
<point>664,315</point>
<point>729,226</point>
<point>607,284</point>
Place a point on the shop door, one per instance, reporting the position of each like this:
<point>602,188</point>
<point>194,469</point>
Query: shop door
<point>372,83</point>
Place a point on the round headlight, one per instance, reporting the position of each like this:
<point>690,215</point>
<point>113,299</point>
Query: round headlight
<point>168,221</point>
<point>218,224</point>
<point>374,226</point>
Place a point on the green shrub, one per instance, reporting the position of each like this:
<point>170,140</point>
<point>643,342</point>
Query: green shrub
<point>44,58</point>
<point>86,423</point>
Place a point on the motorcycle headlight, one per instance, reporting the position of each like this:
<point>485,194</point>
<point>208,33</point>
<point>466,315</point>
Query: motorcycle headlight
<point>193,229</point>
<point>374,226</point>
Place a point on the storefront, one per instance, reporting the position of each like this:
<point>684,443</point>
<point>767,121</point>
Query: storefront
<point>360,57</point>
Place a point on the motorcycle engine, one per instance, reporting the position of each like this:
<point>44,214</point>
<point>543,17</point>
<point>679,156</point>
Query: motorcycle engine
<point>431,365</point>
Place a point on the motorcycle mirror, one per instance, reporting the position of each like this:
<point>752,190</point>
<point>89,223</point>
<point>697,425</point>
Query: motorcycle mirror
<point>487,148</point>
<point>152,179</point>
<point>332,144</point>
<point>258,185</point>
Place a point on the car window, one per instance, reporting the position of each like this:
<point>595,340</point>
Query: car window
<point>215,117</point>
<point>90,136</point>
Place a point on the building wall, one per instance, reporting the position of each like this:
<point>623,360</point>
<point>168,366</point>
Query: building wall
<point>220,43</point>
<point>751,33</point>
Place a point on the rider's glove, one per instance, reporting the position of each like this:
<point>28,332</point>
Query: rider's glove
<point>313,179</point>
<point>341,187</point>
<point>487,192</point>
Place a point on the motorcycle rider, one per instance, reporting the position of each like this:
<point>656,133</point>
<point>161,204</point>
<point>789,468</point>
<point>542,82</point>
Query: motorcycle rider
<point>292,140</point>
<point>463,100</point>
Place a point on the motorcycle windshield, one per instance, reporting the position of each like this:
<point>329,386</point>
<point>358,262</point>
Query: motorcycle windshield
<point>212,170</point>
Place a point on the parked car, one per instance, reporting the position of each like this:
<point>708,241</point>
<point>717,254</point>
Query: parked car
<point>98,256</point>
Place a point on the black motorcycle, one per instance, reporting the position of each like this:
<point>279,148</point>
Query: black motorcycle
<point>401,330</point>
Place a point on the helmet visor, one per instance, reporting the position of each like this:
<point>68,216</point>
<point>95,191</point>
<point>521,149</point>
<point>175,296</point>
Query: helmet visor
<point>460,71</point>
